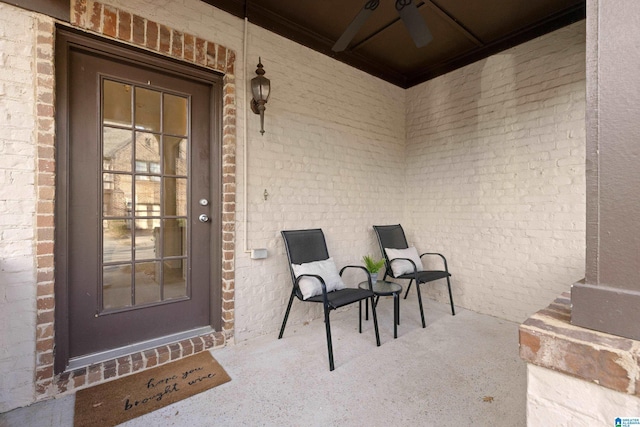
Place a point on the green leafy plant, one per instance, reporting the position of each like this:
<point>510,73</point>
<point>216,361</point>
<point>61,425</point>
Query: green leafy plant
<point>371,264</point>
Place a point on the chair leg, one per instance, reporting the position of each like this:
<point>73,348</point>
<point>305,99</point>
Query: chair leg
<point>375,322</point>
<point>396,314</point>
<point>286,314</point>
<point>424,324</point>
<point>408,287</point>
<point>329,344</point>
<point>453,310</point>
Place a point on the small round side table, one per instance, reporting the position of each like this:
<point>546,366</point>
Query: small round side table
<point>384,288</point>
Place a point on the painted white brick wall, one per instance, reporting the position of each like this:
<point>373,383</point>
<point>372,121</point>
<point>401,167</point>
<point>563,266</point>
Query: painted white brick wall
<point>555,399</point>
<point>331,157</point>
<point>17,207</point>
<point>495,174</point>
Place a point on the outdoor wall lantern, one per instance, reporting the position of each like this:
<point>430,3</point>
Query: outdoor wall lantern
<point>260,87</point>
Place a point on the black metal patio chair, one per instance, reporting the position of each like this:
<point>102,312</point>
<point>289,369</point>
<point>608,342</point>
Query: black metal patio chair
<point>313,275</point>
<point>403,262</point>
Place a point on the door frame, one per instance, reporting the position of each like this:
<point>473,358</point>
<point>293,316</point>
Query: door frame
<point>67,39</point>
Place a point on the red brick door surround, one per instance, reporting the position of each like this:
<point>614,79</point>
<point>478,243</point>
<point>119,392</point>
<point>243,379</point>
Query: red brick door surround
<point>141,32</point>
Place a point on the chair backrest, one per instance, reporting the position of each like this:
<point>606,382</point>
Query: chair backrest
<point>304,246</point>
<point>390,236</point>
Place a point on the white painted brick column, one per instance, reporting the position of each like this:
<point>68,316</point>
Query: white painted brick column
<point>17,207</point>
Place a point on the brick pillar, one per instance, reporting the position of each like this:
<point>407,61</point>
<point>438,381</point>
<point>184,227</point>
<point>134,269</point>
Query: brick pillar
<point>609,297</point>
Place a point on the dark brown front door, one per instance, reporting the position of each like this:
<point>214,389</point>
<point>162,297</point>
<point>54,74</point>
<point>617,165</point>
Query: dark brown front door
<point>140,214</point>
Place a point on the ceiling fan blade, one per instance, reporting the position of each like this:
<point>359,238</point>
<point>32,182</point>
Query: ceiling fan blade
<point>355,26</point>
<point>412,19</point>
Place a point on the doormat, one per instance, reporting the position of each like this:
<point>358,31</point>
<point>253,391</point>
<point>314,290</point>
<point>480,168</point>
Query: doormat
<point>120,400</point>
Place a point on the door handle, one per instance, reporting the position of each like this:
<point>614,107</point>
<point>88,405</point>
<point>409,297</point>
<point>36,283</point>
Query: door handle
<point>203,218</point>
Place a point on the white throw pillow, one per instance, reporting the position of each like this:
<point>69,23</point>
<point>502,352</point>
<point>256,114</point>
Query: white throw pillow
<point>310,286</point>
<point>401,267</point>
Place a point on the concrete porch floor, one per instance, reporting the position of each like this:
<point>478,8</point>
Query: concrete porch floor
<point>462,370</point>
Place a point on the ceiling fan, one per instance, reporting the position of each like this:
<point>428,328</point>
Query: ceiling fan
<point>409,14</point>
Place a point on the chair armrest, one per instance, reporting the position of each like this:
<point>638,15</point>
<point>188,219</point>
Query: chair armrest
<point>361,268</point>
<point>441,256</point>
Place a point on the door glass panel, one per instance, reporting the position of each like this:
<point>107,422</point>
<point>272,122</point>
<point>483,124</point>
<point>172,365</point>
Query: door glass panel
<point>116,103</point>
<point>147,153</point>
<point>174,153</point>
<point>175,115</point>
<point>147,112</point>
<point>145,199</point>
<point>116,286</point>
<point>116,194</point>
<point>174,237</point>
<point>181,204</point>
<point>175,278</point>
<point>117,149</point>
<point>175,196</point>
<point>116,240</point>
<point>147,234</point>
<point>148,282</point>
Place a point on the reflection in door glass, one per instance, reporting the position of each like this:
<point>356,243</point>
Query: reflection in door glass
<point>175,200</point>
<point>116,240</point>
<point>175,279</point>
<point>175,115</point>
<point>117,149</point>
<point>174,238</point>
<point>116,194</point>
<point>147,112</point>
<point>147,239</point>
<point>145,202</point>
<point>117,103</point>
<point>148,152</point>
<point>148,282</point>
<point>147,198</point>
<point>116,286</point>
<point>174,151</point>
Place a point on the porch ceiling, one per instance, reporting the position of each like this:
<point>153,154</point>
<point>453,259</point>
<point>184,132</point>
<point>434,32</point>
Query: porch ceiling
<point>463,31</point>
